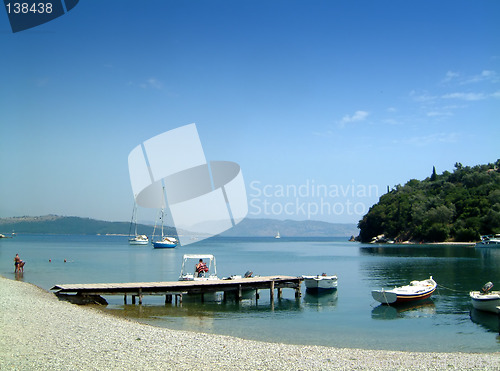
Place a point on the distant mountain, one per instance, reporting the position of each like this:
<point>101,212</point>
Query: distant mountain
<point>290,228</point>
<point>54,224</point>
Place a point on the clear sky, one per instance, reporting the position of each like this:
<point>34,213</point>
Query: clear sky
<point>323,104</point>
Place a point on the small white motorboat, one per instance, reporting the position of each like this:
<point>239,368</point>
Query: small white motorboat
<point>486,300</point>
<point>489,241</point>
<point>321,282</point>
<point>416,290</point>
<point>198,267</point>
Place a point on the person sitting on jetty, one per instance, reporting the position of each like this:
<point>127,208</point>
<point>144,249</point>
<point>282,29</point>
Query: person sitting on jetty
<point>201,268</point>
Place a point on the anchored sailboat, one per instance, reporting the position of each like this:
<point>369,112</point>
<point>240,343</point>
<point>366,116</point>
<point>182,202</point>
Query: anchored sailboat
<point>136,239</point>
<point>164,241</point>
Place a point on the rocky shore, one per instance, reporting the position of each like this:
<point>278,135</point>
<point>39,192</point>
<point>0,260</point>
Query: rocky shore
<point>39,332</point>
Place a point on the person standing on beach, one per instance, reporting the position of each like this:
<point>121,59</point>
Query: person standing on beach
<point>17,261</point>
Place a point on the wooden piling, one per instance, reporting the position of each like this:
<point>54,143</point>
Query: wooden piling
<point>271,293</point>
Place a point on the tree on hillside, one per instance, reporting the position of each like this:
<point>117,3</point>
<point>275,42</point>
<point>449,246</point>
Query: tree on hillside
<point>434,175</point>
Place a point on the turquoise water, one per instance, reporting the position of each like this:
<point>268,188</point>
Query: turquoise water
<point>349,317</point>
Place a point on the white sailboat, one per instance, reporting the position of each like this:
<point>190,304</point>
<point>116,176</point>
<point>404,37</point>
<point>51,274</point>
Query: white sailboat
<point>164,241</point>
<point>277,235</point>
<point>136,239</point>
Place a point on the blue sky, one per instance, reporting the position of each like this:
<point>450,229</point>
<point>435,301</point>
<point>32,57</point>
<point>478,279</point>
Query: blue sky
<point>347,96</point>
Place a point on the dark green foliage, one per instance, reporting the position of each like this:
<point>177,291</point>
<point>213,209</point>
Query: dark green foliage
<point>458,206</point>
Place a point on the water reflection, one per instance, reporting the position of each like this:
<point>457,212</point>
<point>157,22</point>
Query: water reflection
<point>488,321</point>
<point>419,250</point>
<point>321,301</point>
<point>206,310</point>
<point>422,308</point>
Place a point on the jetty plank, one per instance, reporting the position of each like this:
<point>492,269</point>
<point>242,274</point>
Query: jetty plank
<point>182,287</point>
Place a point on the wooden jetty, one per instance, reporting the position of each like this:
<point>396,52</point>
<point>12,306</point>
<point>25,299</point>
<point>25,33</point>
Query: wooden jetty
<point>178,288</point>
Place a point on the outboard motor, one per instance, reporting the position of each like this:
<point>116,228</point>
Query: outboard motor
<point>487,287</point>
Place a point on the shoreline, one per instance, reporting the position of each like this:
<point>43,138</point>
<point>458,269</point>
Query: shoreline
<point>41,332</point>
<point>463,244</point>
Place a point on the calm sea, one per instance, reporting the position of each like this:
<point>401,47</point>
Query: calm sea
<point>349,317</point>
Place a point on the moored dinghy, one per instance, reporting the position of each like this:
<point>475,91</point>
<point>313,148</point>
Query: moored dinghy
<point>416,290</point>
<point>320,283</point>
<point>486,300</point>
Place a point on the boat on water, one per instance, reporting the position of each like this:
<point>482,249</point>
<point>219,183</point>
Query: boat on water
<point>136,239</point>
<point>277,235</point>
<point>198,267</point>
<point>489,241</point>
<point>416,290</point>
<point>163,241</point>
<point>486,300</point>
<point>320,283</point>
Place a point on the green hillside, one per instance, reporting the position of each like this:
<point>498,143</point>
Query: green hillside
<point>54,224</point>
<point>458,206</point>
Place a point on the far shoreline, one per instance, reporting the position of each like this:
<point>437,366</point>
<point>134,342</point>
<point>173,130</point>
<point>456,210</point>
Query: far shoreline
<point>463,244</point>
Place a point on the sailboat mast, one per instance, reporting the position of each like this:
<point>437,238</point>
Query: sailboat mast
<point>162,209</point>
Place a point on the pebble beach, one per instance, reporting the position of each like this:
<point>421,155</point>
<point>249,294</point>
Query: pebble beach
<point>40,332</point>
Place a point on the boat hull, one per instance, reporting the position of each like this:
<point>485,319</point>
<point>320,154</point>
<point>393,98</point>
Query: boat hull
<point>164,245</point>
<point>136,241</point>
<point>405,294</point>
<point>485,302</point>
<point>489,243</point>
<point>320,283</point>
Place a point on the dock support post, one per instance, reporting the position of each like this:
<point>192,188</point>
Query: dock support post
<point>272,292</point>
<point>133,299</point>
<point>178,298</point>
<point>239,293</point>
<point>298,294</point>
<point>168,298</point>
<point>140,296</point>
<point>125,299</point>
<point>280,292</point>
